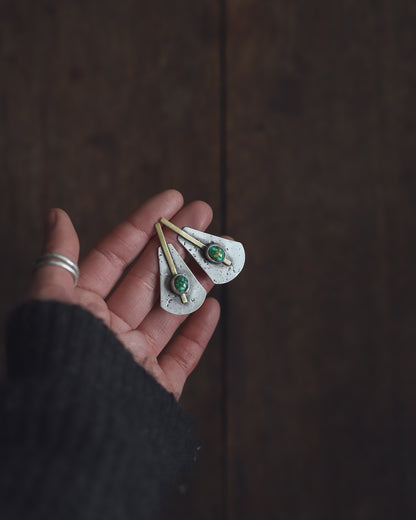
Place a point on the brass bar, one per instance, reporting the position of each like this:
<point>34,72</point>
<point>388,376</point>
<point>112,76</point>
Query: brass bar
<point>165,248</point>
<point>183,233</point>
<point>168,256</point>
<point>188,237</point>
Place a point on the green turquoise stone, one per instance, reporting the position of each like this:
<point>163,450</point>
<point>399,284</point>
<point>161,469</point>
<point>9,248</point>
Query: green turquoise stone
<point>216,253</point>
<point>180,284</point>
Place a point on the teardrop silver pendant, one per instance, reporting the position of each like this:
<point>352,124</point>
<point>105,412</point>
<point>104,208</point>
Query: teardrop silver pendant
<point>180,291</point>
<point>222,259</point>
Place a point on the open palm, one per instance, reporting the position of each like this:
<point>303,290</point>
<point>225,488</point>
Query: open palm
<point>119,283</point>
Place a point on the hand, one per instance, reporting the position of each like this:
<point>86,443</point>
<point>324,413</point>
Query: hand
<point>129,305</point>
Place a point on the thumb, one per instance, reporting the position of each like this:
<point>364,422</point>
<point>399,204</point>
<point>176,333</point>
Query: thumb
<point>52,281</point>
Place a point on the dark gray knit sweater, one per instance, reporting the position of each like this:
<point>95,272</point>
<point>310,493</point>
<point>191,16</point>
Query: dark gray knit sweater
<point>85,433</point>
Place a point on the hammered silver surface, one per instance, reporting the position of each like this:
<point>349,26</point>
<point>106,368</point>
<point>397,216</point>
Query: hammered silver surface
<point>219,273</point>
<point>171,302</point>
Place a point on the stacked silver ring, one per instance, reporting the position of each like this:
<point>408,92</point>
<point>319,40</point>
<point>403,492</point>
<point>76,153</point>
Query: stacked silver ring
<point>60,261</point>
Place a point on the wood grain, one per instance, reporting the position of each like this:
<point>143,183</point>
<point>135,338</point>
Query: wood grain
<point>320,146</point>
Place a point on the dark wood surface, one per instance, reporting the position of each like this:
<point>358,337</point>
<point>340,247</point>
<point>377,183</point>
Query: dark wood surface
<point>320,357</point>
<point>296,121</point>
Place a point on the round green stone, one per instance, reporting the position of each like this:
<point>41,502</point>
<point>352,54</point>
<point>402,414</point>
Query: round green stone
<point>216,253</point>
<point>180,284</point>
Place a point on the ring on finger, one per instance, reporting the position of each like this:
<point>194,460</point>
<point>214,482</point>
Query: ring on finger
<point>60,261</point>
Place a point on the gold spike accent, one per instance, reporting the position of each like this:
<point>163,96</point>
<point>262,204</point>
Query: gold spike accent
<point>188,237</point>
<point>168,256</point>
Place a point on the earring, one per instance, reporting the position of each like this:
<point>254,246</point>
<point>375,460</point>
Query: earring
<point>220,258</point>
<point>180,291</point>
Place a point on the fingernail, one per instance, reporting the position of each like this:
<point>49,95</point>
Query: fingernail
<point>50,219</point>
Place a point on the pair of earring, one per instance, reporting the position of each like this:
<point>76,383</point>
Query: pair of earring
<point>221,259</point>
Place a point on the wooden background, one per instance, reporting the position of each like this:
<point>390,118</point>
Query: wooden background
<point>297,122</point>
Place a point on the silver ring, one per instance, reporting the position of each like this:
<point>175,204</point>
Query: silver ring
<point>60,261</point>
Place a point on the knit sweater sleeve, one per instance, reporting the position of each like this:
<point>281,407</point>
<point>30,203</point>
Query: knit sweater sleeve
<point>85,433</point>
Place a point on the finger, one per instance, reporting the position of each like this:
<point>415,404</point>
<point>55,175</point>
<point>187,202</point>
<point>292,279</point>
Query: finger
<point>105,263</point>
<point>52,281</point>
<point>181,356</point>
<point>135,296</point>
<point>159,326</point>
